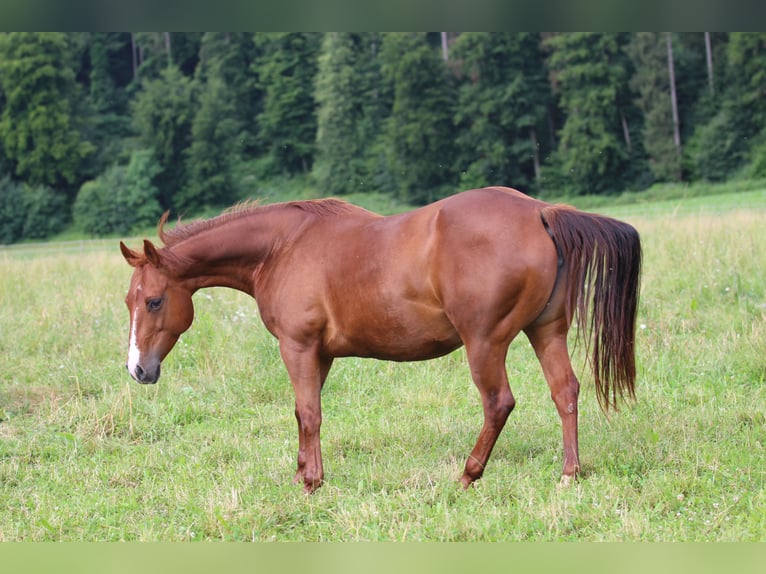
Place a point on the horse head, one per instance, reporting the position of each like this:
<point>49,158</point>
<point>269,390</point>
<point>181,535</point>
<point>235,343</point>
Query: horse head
<point>160,310</point>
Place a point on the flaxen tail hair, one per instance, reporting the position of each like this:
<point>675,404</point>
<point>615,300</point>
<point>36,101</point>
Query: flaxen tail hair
<point>602,262</point>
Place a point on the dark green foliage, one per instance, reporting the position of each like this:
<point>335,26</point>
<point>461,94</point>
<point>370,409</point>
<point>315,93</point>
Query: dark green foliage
<point>419,133</point>
<point>5,166</point>
<point>717,149</point>
<point>47,212</point>
<point>747,58</point>
<point>651,83</point>
<point>339,167</point>
<point>121,200</point>
<point>286,66</point>
<point>157,51</point>
<point>30,212</point>
<point>151,54</point>
<point>110,71</point>
<point>504,96</point>
<point>228,57</point>
<point>163,113</point>
<point>213,150</point>
<point>106,71</point>
<point>185,50</point>
<point>93,207</point>
<point>223,126</point>
<point>758,158</point>
<point>39,132</point>
<point>350,113</point>
<point>733,137</point>
<point>747,104</point>
<point>231,115</point>
<point>591,71</point>
<point>12,211</point>
<point>696,103</point>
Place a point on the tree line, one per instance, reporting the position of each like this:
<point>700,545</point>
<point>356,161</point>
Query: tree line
<point>108,129</point>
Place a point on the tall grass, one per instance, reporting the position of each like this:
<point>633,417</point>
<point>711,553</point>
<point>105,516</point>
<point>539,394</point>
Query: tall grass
<point>209,452</point>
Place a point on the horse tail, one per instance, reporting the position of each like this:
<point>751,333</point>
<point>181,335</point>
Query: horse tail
<point>602,262</point>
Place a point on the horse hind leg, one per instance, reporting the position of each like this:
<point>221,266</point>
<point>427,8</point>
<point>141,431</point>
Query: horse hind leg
<point>550,344</point>
<point>487,362</point>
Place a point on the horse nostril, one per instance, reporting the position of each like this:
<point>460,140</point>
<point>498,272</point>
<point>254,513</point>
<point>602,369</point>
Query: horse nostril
<point>139,373</point>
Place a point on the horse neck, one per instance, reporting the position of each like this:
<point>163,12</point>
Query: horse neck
<point>230,254</point>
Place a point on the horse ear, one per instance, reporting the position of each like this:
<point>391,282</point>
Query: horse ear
<point>151,253</point>
<point>130,256</point>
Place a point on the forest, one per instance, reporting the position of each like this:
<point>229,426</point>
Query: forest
<point>103,131</point>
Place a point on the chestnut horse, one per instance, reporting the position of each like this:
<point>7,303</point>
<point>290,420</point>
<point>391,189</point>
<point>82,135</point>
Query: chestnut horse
<point>333,280</point>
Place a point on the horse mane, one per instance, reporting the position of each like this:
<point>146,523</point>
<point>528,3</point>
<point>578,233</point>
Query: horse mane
<point>318,207</point>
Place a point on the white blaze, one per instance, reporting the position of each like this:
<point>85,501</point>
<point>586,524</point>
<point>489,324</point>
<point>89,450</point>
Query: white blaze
<point>134,354</point>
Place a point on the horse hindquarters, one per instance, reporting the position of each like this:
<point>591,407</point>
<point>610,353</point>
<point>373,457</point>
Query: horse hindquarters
<point>601,262</point>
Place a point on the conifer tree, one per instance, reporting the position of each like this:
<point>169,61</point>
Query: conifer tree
<point>651,82</point>
<point>348,114</point>
<point>163,113</point>
<point>503,99</point>
<point>41,136</point>
<point>591,72</point>
<point>746,99</point>
<point>223,123</point>
<point>337,167</point>
<point>228,57</point>
<point>419,133</point>
<point>286,66</point>
<point>213,151</point>
<point>747,57</point>
<point>109,75</point>
<point>104,94</point>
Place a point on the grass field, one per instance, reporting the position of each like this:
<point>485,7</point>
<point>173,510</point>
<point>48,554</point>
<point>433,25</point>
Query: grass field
<point>209,452</point>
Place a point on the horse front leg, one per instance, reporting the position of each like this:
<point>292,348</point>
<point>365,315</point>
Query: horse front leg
<point>299,473</point>
<point>307,373</point>
<point>550,345</point>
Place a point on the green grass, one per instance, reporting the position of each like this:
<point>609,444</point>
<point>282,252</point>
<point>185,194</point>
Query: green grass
<point>659,196</point>
<point>209,452</point>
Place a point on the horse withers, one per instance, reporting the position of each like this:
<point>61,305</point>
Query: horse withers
<point>334,280</point>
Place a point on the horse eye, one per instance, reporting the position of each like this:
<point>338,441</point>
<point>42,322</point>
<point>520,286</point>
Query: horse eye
<point>153,304</point>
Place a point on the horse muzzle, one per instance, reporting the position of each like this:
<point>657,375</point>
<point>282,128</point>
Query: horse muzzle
<point>145,376</point>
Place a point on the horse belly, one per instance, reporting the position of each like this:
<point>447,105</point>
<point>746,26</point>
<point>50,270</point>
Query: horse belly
<point>413,332</point>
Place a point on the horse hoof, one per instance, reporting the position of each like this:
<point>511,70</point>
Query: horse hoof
<point>310,486</point>
<point>566,481</point>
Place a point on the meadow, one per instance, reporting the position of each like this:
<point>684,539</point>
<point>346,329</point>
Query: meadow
<point>209,452</point>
